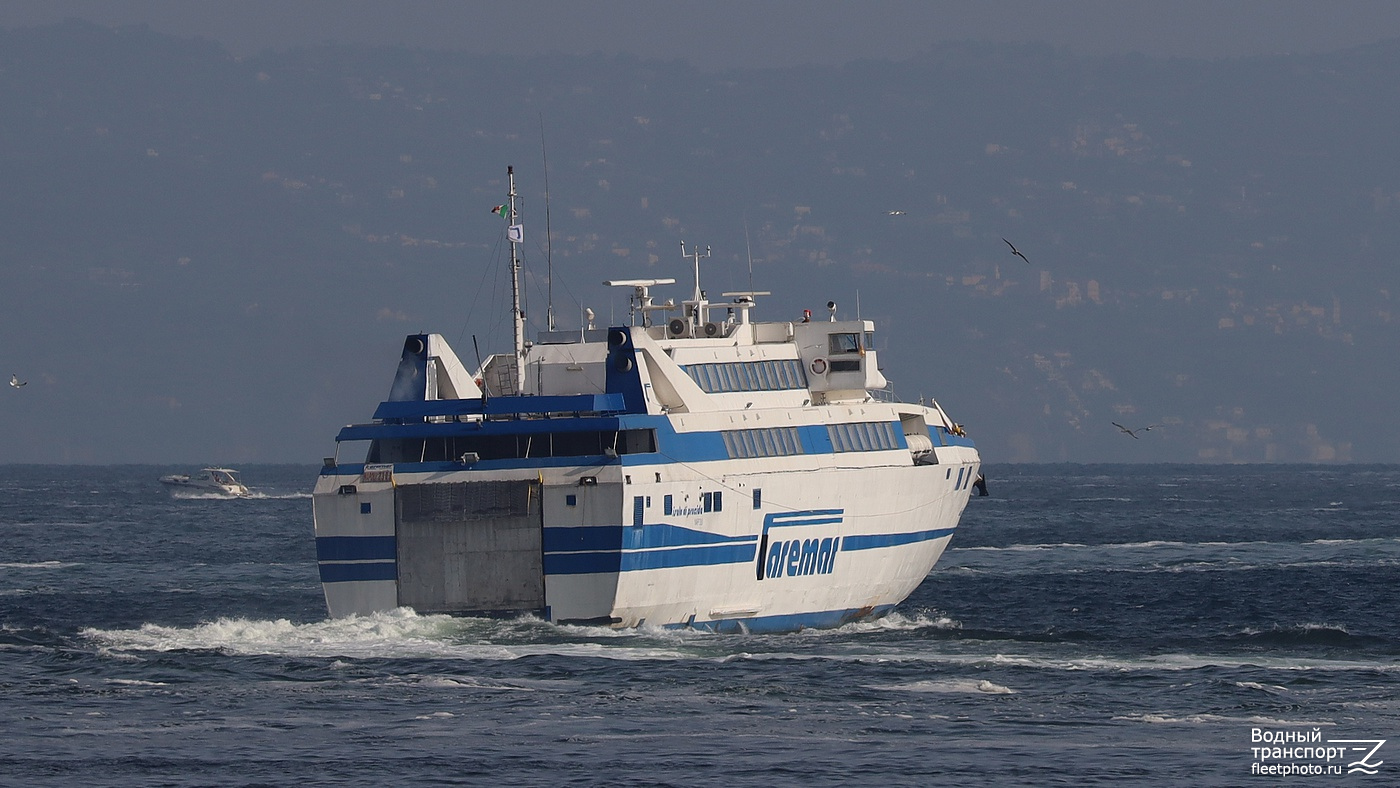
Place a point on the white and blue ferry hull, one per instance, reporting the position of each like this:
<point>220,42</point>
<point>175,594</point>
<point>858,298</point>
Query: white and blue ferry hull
<point>757,545</point>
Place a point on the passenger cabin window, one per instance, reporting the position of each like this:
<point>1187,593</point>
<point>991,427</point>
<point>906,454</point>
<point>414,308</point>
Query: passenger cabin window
<point>712,501</point>
<point>844,343</point>
<point>512,446</point>
<point>867,436</point>
<point>770,442</point>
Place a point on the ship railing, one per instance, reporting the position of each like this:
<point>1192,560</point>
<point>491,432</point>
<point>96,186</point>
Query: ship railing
<point>883,395</point>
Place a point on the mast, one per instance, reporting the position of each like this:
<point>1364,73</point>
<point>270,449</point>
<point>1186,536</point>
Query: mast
<point>514,235</point>
<point>698,299</point>
<point>548,237</point>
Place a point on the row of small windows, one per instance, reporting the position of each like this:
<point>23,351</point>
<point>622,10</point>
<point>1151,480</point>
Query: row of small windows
<point>512,446</point>
<point>773,442</point>
<point>867,436</point>
<point>710,502</point>
<point>748,376</point>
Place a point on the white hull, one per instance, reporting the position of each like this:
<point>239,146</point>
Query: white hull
<point>874,525</point>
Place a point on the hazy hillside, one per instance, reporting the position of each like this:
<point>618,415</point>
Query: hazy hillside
<point>213,258</point>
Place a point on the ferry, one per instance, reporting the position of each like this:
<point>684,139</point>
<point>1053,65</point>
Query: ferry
<point>695,468</point>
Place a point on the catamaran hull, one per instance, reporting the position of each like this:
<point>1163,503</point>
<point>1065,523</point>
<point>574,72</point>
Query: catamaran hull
<point>729,545</point>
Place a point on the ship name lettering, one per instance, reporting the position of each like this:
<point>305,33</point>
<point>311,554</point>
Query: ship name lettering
<point>797,557</point>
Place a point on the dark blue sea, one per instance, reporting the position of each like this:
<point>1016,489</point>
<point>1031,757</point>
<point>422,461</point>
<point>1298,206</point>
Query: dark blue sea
<point>1090,625</point>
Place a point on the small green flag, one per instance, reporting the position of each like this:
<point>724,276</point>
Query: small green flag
<point>501,210</point>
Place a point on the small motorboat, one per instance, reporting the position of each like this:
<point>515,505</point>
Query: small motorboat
<point>214,481</point>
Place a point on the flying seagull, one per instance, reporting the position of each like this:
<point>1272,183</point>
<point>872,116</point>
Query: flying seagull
<point>16,382</point>
<point>1016,251</point>
<point>1133,433</point>
<point>895,213</point>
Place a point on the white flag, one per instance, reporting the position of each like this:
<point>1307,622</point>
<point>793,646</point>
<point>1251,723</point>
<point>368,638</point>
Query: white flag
<point>515,233</point>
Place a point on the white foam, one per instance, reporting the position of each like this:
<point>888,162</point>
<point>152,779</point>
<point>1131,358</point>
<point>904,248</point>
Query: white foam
<point>946,685</point>
<point>893,622</point>
<point>396,634</point>
<point>253,495</point>
<point>1092,663</point>
<point>39,565</point>
<point>1258,686</point>
<point>1308,627</point>
<point>1197,719</point>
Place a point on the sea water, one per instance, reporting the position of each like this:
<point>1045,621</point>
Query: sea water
<point>1089,625</point>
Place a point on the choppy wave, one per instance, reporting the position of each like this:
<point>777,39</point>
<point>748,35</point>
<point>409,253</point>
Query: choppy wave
<point>1212,719</point>
<point>1074,619</point>
<point>947,685</point>
<point>1171,556</point>
<point>1162,543</point>
<point>1307,635</point>
<point>39,565</point>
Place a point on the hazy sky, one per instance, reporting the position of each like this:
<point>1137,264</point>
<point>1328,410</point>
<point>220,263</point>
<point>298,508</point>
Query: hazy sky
<point>712,35</point>
<point>722,33</point>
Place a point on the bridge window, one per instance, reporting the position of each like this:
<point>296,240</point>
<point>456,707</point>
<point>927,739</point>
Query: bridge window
<point>843,343</point>
<point>774,375</point>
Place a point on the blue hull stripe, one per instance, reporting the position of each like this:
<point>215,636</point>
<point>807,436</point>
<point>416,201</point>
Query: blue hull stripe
<point>598,549</point>
<point>873,541</point>
<point>356,548</point>
<point>614,537</point>
<point>809,517</point>
<point>825,619</point>
<point>345,573</point>
<point>608,562</point>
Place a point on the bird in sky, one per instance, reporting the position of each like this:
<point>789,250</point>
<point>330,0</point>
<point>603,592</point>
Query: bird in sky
<point>895,213</point>
<point>1016,251</point>
<point>1133,433</point>
<point>16,382</point>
